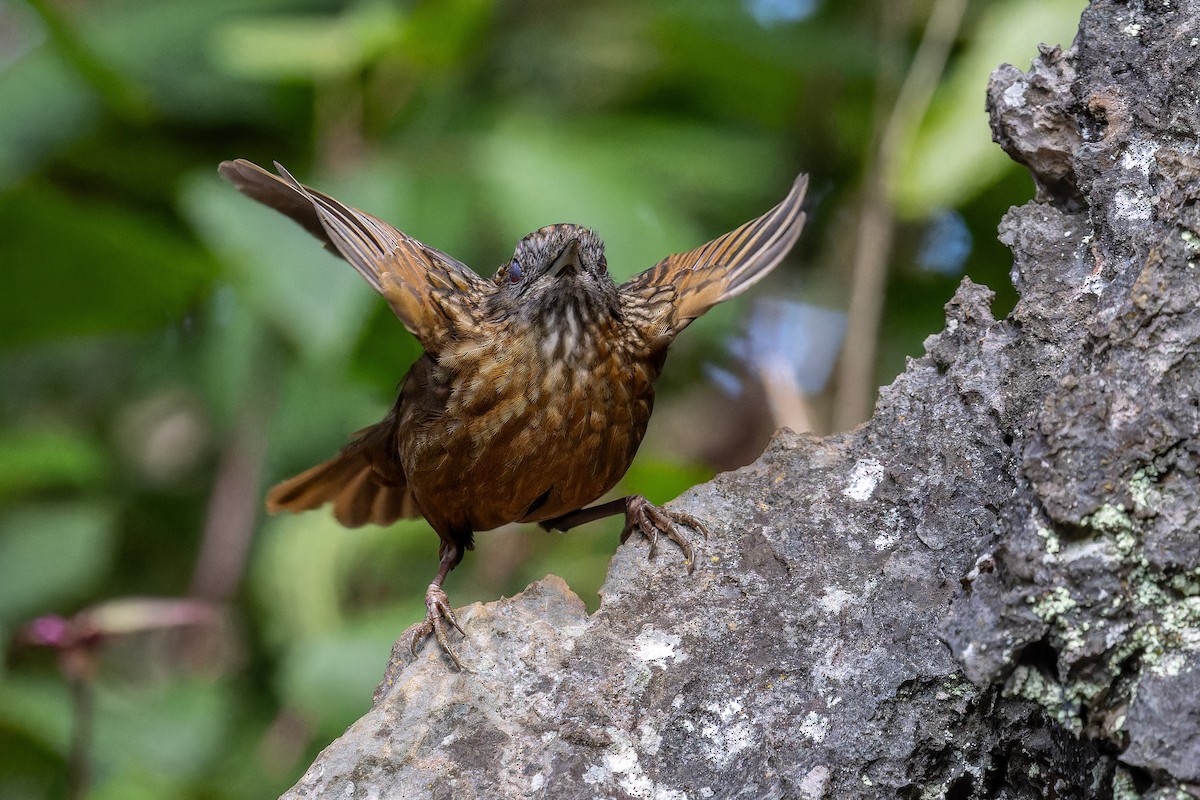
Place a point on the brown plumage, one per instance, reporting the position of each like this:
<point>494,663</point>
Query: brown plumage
<point>535,387</point>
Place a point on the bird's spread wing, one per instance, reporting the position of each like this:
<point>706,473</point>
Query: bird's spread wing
<point>664,299</point>
<point>432,293</point>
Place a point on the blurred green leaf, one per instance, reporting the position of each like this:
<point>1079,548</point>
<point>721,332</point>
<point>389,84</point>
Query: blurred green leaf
<point>165,46</point>
<point>169,729</point>
<point>309,47</point>
<point>952,158</point>
<point>446,33</point>
<point>33,459</point>
<point>660,481</point>
<point>634,181</point>
<point>330,678</point>
<point>124,98</point>
<point>137,784</point>
<point>73,267</point>
<point>312,420</point>
<point>302,575</point>
<point>51,555</point>
<point>580,557</point>
<point>317,302</point>
<point>240,356</point>
<point>45,106</point>
<point>39,707</point>
<point>295,575</point>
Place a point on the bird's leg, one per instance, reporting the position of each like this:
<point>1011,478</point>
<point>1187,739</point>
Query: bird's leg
<point>437,608</point>
<point>640,515</point>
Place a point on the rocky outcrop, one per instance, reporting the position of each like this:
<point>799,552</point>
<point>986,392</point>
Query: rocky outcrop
<point>991,589</point>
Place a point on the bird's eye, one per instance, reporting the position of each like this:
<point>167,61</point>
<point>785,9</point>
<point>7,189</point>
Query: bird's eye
<point>514,271</point>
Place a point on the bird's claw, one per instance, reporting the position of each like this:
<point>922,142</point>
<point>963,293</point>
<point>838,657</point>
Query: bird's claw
<point>650,520</point>
<point>437,613</point>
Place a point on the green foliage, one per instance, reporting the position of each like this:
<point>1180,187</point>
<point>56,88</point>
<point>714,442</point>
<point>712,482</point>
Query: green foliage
<point>314,305</point>
<point>35,459</point>
<point>78,264</point>
<point>168,348</point>
<point>80,537</point>
<point>952,158</point>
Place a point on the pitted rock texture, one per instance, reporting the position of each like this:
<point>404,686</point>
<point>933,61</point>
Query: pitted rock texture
<point>989,590</point>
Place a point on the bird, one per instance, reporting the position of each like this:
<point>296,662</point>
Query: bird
<point>535,387</point>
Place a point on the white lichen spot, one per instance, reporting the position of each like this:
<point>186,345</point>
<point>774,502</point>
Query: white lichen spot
<point>1191,240</point>
<point>1100,549</point>
<point>1189,638</point>
<point>620,765</point>
<point>1170,665</point>
<point>814,726</point>
<point>1132,29</point>
<point>834,600</point>
<point>729,734</point>
<point>1095,283</point>
<point>649,738</point>
<point>728,711</point>
<point>656,647</point>
<point>935,791</point>
<point>1014,95</point>
<point>1132,205</point>
<point>537,782</point>
<point>1123,786</point>
<point>623,759</point>
<point>886,540</point>
<point>863,479</point>
<point>706,791</point>
<point>814,785</point>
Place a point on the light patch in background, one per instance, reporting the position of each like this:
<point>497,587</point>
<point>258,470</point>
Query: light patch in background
<point>794,340</point>
<point>945,244</point>
<point>770,13</point>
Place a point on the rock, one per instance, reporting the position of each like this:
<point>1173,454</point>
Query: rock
<point>991,589</point>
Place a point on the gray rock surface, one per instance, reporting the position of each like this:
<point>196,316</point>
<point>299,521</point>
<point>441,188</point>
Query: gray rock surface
<point>991,589</point>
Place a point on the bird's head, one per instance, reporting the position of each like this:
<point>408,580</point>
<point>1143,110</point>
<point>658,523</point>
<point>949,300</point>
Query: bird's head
<point>556,267</point>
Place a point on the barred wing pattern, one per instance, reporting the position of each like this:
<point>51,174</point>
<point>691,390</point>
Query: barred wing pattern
<point>432,293</point>
<point>664,299</point>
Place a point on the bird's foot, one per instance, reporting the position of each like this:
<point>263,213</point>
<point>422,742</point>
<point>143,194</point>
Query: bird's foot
<point>651,521</point>
<point>438,617</point>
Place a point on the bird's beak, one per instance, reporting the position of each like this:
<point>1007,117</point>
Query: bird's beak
<point>568,259</point>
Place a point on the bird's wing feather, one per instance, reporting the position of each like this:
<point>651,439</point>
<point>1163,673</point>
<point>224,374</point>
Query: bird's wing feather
<point>681,287</point>
<point>432,293</point>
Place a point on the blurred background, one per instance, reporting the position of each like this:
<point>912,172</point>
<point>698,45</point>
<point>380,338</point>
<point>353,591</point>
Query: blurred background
<point>168,349</point>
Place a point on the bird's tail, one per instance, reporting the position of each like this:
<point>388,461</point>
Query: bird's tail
<point>359,491</point>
